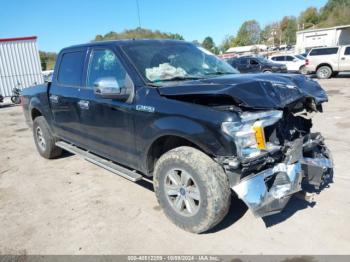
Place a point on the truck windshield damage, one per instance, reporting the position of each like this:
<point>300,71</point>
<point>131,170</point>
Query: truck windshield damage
<point>175,62</point>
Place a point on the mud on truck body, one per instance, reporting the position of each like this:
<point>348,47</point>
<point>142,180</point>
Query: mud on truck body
<point>173,112</point>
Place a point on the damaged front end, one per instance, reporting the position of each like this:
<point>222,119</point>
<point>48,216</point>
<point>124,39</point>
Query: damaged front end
<point>276,153</point>
<point>277,156</point>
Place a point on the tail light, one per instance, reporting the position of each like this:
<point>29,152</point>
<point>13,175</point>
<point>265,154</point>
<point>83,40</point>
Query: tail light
<point>306,61</point>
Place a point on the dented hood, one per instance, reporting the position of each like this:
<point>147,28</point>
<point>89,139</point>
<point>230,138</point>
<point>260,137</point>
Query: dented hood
<point>260,91</point>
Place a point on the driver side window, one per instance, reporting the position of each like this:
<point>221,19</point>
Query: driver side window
<point>105,64</point>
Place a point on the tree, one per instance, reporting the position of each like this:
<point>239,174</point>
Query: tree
<point>335,12</point>
<point>248,34</point>
<point>138,33</point>
<point>288,28</point>
<point>309,18</point>
<point>47,60</point>
<point>271,34</point>
<point>227,43</point>
<point>208,43</point>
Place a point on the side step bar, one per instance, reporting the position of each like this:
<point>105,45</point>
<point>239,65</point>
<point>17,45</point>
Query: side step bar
<point>110,166</point>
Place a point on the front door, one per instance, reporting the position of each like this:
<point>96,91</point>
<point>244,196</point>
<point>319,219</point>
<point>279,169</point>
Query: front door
<point>344,59</point>
<point>108,122</point>
<point>64,96</point>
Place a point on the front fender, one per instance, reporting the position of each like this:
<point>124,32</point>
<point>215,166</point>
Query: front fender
<point>208,139</point>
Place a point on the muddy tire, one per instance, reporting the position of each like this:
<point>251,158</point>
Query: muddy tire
<point>192,189</point>
<point>44,141</point>
<point>324,72</point>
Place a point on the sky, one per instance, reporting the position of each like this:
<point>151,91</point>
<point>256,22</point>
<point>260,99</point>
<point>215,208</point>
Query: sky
<point>62,23</point>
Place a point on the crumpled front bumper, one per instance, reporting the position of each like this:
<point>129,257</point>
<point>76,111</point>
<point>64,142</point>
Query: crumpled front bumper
<point>268,192</point>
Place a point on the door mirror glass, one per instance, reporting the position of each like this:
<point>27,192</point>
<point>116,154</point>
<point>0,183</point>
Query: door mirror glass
<point>107,87</point>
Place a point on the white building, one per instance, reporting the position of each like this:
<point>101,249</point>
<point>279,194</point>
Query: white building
<point>19,64</point>
<point>307,39</point>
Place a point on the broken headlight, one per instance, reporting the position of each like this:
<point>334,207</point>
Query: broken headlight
<point>249,134</point>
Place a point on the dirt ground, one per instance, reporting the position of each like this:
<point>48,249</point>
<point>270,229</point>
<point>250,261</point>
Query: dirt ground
<point>70,206</point>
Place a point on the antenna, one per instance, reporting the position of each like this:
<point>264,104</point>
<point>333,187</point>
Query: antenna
<point>138,12</point>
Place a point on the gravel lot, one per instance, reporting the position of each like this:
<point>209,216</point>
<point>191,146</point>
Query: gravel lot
<point>70,206</point>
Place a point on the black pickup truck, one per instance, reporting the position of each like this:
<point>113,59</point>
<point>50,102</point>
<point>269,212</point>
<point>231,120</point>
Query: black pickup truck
<point>172,112</point>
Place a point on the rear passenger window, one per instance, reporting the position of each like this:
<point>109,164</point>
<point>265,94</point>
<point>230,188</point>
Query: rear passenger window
<point>324,51</point>
<point>71,68</point>
<point>347,51</point>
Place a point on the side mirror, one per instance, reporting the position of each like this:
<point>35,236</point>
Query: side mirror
<point>295,60</point>
<point>107,87</point>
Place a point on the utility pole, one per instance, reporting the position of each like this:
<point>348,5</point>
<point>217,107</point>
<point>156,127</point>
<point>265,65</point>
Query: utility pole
<point>138,12</point>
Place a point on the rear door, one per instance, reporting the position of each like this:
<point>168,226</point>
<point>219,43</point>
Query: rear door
<point>344,59</point>
<point>108,123</point>
<point>243,65</point>
<point>292,63</point>
<point>64,95</point>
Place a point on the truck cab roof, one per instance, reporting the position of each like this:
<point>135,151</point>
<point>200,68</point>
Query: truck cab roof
<point>123,42</point>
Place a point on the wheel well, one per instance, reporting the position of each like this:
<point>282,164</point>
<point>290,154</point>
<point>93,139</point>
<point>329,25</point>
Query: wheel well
<point>163,145</point>
<point>324,64</point>
<point>35,113</point>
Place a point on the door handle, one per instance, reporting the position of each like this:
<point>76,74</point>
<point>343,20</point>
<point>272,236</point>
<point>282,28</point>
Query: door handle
<point>343,58</point>
<point>54,98</point>
<point>83,104</point>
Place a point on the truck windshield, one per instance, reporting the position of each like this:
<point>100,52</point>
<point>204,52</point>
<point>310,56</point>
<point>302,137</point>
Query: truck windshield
<point>160,62</point>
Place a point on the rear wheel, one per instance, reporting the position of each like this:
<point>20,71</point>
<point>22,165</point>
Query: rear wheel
<point>192,189</point>
<point>324,72</point>
<point>44,141</point>
<point>302,70</point>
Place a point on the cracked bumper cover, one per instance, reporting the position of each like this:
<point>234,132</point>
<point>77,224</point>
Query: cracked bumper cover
<point>268,192</point>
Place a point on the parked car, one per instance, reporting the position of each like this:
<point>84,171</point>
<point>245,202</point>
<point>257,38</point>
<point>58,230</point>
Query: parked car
<point>173,112</point>
<point>294,63</point>
<point>252,64</point>
<point>328,61</point>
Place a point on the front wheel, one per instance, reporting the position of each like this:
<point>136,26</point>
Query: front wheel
<point>192,189</point>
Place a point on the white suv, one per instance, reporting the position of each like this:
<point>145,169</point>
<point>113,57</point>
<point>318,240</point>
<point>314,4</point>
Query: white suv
<point>328,61</point>
<point>294,63</point>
